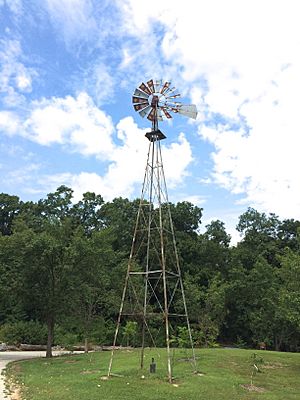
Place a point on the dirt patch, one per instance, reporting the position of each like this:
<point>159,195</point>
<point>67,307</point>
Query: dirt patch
<point>89,371</point>
<point>252,388</point>
<point>70,361</point>
<point>16,394</point>
<point>16,368</point>
<point>273,365</point>
<point>13,389</point>
<point>187,359</point>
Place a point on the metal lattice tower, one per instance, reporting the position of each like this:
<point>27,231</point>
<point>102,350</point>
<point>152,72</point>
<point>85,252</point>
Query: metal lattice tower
<point>153,293</point>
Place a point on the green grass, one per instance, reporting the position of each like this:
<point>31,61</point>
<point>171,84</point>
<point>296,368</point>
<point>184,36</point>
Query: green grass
<point>78,377</point>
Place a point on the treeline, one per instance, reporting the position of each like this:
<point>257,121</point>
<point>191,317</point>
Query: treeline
<point>62,269</point>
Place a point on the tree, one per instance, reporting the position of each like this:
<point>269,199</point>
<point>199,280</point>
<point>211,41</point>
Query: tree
<point>207,308</point>
<point>88,212</point>
<point>120,216</point>
<point>216,233</point>
<point>238,299</point>
<point>288,234</point>
<point>130,331</point>
<point>264,319</point>
<point>46,266</point>
<point>47,276</point>
<point>11,259</point>
<point>260,237</point>
<point>186,217</point>
<point>57,205</point>
<point>289,301</point>
<point>94,263</point>
<point>9,208</point>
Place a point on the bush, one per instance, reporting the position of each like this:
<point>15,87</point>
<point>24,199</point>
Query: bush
<point>64,337</point>
<point>31,332</point>
<point>102,332</point>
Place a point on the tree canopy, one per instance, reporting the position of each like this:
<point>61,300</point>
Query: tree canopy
<point>62,264</point>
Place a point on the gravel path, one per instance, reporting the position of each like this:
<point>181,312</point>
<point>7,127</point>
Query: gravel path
<point>9,356</point>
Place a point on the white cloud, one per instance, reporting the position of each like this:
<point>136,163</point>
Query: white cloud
<point>9,122</point>
<point>127,58</point>
<point>83,24</point>
<point>21,176</point>
<point>72,18</point>
<point>75,122</point>
<point>84,182</point>
<point>15,77</point>
<point>99,82</point>
<point>176,158</point>
<point>240,61</point>
<point>125,173</point>
<point>14,5</point>
<point>194,199</point>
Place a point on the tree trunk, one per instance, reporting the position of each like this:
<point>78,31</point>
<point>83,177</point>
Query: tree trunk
<point>50,326</point>
<point>86,345</point>
<point>278,342</point>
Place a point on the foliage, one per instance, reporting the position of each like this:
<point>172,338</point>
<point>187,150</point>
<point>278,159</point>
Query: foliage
<point>256,363</point>
<point>9,207</point>
<point>31,332</point>
<point>130,332</point>
<point>182,339</point>
<point>65,337</point>
<point>62,264</point>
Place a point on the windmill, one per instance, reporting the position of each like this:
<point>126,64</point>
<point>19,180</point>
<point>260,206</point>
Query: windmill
<point>153,293</point>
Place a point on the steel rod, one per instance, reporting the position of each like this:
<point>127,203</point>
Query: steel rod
<point>180,277</point>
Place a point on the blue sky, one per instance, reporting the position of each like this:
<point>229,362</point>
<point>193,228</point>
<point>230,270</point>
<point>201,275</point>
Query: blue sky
<point>68,69</point>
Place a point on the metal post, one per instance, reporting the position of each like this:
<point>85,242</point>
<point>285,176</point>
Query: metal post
<point>163,261</point>
<point>152,146</point>
<point>179,273</point>
<point>128,270</point>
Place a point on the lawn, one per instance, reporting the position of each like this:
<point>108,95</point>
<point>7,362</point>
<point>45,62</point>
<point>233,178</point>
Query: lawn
<point>222,374</point>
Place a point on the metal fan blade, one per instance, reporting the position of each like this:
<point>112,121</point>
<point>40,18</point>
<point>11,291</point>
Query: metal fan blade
<point>168,115</point>
<point>139,93</point>
<point>170,103</point>
<point>165,87</point>
<point>139,100</point>
<point>174,96</point>
<point>145,88</point>
<point>170,90</point>
<point>151,115</point>
<point>157,85</point>
<point>145,111</point>
<point>138,107</point>
<point>188,111</point>
<point>151,86</point>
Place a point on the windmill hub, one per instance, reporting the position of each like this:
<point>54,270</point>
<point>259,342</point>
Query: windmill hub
<point>153,100</point>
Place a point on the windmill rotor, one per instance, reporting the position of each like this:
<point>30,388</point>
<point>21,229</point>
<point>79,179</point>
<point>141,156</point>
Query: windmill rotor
<point>157,100</point>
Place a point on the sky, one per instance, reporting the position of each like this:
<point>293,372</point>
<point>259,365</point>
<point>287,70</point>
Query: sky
<point>68,69</point>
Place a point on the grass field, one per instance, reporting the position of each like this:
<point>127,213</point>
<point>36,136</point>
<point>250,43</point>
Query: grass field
<point>223,372</point>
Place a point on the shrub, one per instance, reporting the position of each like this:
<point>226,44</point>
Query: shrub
<point>64,337</point>
<point>31,332</point>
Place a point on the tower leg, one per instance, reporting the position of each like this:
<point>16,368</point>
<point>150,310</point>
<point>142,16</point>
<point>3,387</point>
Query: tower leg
<point>178,269</point>
<point>163,261</point>
<point>118,323</point>
<point>128,274</point>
